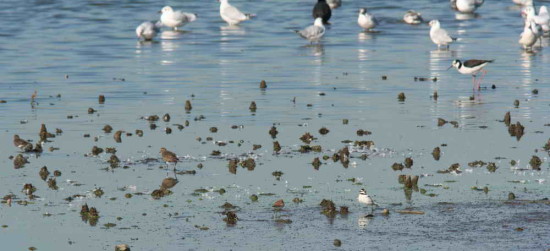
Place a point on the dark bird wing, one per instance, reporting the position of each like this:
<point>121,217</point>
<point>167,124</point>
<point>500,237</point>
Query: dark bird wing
<point>475,62</point>
<point>322,10</point>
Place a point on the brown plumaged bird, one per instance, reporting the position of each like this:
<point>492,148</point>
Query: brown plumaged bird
<point>279,204</point>
<point>21,143</point>
<point>169,157</point>
<point>169,183</point>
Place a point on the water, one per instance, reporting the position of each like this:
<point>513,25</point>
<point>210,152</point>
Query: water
<point>219,69</point>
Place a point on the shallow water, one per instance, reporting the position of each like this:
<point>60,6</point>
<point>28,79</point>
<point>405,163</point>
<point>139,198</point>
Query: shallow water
<point>219,69</point>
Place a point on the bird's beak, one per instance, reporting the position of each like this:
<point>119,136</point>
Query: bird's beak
<point>160,11</point>
<point>449,67</point>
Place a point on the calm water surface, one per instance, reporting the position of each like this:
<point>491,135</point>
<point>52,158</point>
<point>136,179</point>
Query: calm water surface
<point>219,69</point>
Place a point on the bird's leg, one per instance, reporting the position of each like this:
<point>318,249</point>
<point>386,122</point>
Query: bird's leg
<point>474,82</point>
<point>480,79</point>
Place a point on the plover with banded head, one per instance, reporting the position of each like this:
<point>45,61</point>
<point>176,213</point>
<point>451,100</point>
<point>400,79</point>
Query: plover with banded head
<point>412,17</point>
<point>365,199</point>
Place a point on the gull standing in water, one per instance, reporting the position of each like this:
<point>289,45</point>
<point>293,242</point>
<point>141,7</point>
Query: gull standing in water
<point>231,14</point>
<point>148,30</point>
<point>365,199</point>
<point>412,17</point>
<point>366,20</point>
<point>439,35</point>
<point>531,32</point>
<point>314,32</point>
<point>322,10</point>
<point>472,67</point>
<point>466,6</point>
<point>175,19</point>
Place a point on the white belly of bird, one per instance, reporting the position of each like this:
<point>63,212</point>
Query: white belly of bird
<point>438,39</point>
<point>233,19</point>
<point>149,34</point>
<point>410,19</point>
<point>471,71</point>
<point>528,38</point>
<point>170,21</point>
<point>466,6</point>
<point>365,199</point>
<point>366,22</point>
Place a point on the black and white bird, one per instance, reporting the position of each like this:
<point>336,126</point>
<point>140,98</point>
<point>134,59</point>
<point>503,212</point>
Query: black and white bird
<point>366,20</point>
<point>439,35</point>
<point>466,6</point>
<point>412,17</point>
<point>471,67</point>
<point>314,32</point>
<point>148,30</point>
<point>365,199</point>
<point>322,10</point>
<point>175,18</point>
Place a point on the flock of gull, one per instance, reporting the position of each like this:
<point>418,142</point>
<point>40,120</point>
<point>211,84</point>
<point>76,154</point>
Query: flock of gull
<point>535,26</point>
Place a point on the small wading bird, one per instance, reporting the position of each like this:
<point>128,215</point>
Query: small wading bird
<point>412,17</point>
<point>439,35</point>
<point>322,10</point>
<point>169,157</point>
<point>365,199</point>
<point>175,18</point>
<point>148,30</point>
<point>231,14</point>
<point>314,32</point>
<point>366,20</point>
<point>471,67</point>
<point>21,143</point>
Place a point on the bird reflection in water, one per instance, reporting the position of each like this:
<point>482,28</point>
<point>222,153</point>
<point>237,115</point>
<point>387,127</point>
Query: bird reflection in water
<point>363,221</point>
